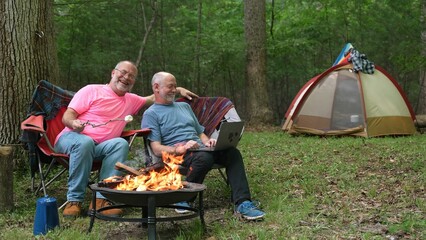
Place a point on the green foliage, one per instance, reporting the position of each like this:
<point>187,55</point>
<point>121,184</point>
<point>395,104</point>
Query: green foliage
<point>303,39</point>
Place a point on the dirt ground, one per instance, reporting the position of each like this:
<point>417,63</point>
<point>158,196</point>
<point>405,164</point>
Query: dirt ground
<point>166,230</point>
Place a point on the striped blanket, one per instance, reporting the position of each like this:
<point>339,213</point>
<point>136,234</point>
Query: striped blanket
<point>48,99</point>
<point>209,110</point>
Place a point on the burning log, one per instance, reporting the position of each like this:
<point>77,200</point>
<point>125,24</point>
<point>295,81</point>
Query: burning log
<point>143,171</point>
<point>127,169</point>
<point>154,167</point>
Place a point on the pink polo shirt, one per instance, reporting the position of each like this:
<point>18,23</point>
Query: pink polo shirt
<point>98,104</point>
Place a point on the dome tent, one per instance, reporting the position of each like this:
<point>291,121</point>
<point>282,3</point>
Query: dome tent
<point>353,97</point>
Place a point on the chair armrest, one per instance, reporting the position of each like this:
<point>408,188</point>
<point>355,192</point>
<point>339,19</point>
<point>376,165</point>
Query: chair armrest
<point>130,135</point>
<point>138,133</point>
<point>34,124</point>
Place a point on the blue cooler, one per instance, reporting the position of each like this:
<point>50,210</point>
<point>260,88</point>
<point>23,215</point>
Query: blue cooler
<point>46,217</point>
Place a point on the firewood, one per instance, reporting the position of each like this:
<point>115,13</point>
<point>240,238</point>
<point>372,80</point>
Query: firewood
<point>154,167</point>
<point>127,169</point>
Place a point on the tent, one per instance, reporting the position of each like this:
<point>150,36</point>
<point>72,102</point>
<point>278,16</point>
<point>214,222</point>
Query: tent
<point>353,97</point>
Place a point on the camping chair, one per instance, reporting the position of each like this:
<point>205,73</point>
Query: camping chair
<point>40,129</point>
<point>210,112</point>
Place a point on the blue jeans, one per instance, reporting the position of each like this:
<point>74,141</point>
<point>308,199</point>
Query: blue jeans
<point>83,151</point>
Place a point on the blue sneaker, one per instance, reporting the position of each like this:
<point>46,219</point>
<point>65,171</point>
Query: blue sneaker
<point>249,211</point>
<point>181,210</point>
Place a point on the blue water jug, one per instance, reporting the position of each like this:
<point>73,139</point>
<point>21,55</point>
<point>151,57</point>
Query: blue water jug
<point>46,217</point>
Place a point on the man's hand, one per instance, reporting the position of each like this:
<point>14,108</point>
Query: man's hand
<point>70,120</point>
<point>210,143</point>
<point>191,144</point>
<point>77,125</point>
<point>186,93</point>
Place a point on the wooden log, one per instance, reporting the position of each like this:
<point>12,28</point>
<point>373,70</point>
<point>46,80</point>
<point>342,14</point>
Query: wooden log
<point>143,171</point>
<point>127,169</point>
<point>6,178</point>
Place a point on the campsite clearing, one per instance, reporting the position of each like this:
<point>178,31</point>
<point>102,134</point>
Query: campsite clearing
<point>310,187</point>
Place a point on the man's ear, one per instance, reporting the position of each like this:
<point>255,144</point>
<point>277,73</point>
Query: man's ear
<point>156,87</point>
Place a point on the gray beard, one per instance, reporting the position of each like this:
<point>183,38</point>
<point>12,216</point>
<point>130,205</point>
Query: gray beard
<point>168,98</point>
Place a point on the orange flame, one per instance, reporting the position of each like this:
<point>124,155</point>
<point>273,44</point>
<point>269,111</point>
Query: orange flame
<point>168,178</point>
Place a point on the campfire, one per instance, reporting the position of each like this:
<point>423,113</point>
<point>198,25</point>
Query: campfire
<point>160,177</point>
<point>156,186</point>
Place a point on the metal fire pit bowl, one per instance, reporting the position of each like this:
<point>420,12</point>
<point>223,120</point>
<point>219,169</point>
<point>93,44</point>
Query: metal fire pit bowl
<point>140,198</point>
<point>148,201</point>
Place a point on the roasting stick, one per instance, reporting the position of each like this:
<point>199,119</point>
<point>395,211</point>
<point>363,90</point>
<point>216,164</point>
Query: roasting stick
<point>127,119</point>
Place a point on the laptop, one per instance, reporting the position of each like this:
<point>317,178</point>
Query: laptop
<point>229,136</point>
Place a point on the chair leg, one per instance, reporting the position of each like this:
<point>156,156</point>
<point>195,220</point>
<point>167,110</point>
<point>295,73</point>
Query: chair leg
<point>55,177</point>
<point>33,184</point>
<point>43,186</point>
<point>223,176</point>
<point>63,205</point>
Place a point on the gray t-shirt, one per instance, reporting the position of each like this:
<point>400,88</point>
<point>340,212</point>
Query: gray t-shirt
<point>172,124</point>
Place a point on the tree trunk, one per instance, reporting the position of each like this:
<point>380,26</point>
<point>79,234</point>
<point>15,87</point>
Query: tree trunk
<point>147,31</point>
<point>421,106</point>
<point>6,178</point>
<point>258,107</point>
<point>197,68</point>
<point>28,55</point>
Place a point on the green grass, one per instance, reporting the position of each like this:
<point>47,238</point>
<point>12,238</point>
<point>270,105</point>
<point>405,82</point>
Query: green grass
<point>310,188</point>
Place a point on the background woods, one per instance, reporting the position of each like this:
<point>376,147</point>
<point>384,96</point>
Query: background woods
<point>204,43</point>
<point>207,45</point>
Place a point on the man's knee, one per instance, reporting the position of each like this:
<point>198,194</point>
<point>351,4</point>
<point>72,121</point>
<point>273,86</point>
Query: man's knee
<point>204,159</point>
<point>85,144</point>
<point>120,142</point>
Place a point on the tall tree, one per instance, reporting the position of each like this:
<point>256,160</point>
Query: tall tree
<point>421,106</point>
<point>28,54</point>
<point>147,29</point>
<point>258,107</point>
<point>197,69</point>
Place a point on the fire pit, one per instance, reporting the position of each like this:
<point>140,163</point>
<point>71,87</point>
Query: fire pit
<point>148,201</point>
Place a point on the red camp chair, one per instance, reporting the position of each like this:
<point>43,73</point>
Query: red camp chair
<point>41,128</point>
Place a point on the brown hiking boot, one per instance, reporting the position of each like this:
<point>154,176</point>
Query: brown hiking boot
<point>72,209</point>
<point>100,203</point>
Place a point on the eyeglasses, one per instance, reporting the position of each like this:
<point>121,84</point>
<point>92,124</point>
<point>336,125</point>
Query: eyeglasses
<point>124,73</point>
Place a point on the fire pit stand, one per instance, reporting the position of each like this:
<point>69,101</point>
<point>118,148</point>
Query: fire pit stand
<point>148,201</point>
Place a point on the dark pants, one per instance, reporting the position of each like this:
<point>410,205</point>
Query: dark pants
<point>200,163</point>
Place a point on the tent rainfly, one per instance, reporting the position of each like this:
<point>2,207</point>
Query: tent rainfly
<point>353,97</point>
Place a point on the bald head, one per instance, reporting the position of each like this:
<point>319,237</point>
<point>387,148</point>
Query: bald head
<point>160,77</point>
<point>164,87</point>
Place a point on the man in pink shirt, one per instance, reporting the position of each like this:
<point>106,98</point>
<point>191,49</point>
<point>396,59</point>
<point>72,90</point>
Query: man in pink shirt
<point>85,143</point>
